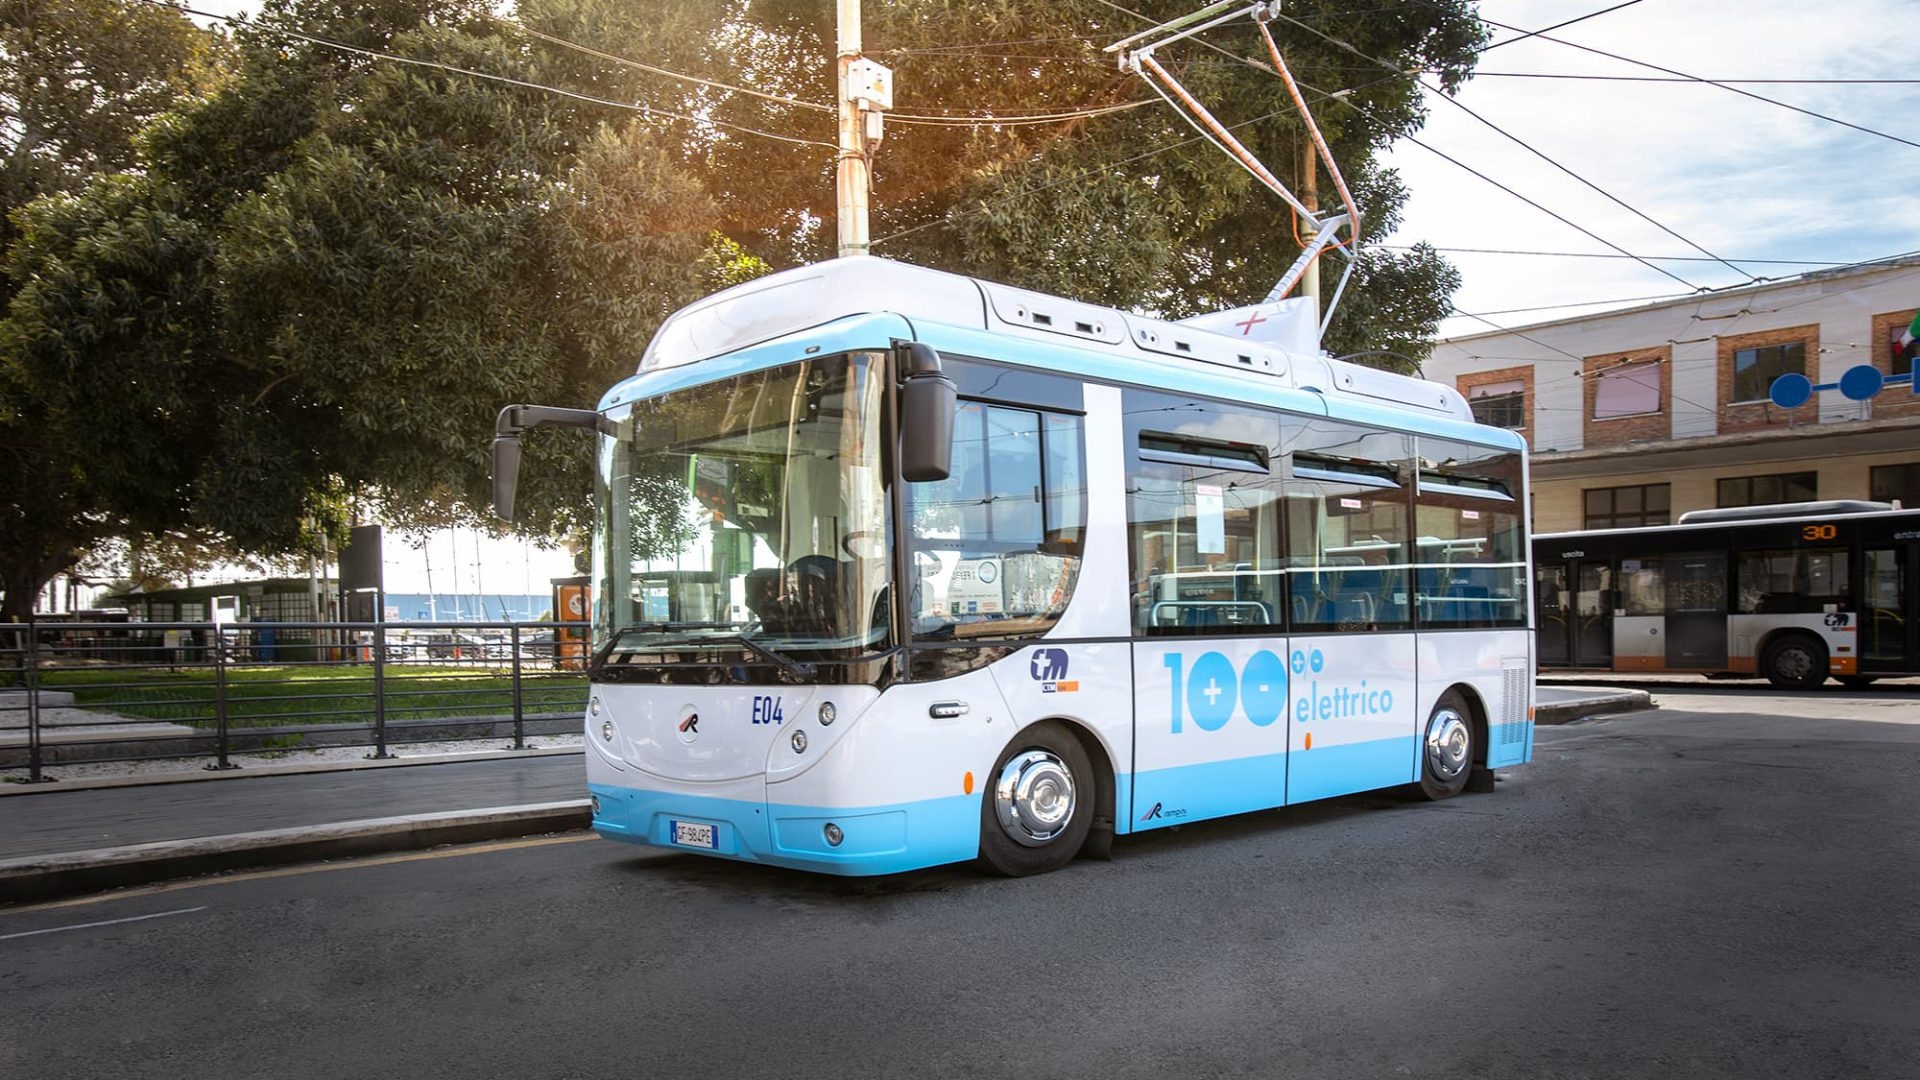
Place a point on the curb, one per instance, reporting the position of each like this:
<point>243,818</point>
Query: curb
<point>49,877</point>
<point>1615,701</point>
<point>255,772</point>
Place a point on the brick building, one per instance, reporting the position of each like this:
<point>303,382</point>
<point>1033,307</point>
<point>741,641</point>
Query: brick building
<point>1639,415</point>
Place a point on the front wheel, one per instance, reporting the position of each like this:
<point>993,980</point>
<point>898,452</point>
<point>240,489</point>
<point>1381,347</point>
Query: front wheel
<point>1795,662</point>
<point>1447,749</point>
<point>1037,811</point>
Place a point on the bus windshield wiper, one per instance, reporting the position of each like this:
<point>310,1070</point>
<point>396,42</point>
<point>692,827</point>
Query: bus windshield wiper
<point>798,669</point>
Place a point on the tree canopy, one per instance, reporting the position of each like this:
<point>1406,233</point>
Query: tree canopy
<point>254,276</point>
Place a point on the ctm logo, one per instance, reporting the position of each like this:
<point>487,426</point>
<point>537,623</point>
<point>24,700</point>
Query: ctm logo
<point>1049,668</point>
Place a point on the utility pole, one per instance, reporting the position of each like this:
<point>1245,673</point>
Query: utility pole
<point>866,92</point>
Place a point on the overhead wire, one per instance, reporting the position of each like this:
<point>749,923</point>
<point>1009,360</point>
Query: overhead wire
<point>1522,35</point>
<point>1678,79</point>
<point>453,69</point>
<point>950,219</point>
<point>1613,255</point>
<point>1522,143</point>
<point>908,118</point>
<point>651,69</point>
<point>989,120</point>
<point>1712,82</point>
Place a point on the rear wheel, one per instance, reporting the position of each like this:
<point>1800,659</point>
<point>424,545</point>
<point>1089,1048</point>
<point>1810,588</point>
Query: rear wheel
<point>1447,749</point>
<point>1037,811</point>
<point>1795,662</point>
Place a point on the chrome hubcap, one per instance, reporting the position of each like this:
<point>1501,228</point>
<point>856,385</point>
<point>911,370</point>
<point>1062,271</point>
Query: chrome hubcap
<point>1034,797</point>
<point>1449,744</point>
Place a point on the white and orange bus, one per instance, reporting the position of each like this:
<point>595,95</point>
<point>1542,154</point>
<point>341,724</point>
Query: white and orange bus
<point>1797,593</point>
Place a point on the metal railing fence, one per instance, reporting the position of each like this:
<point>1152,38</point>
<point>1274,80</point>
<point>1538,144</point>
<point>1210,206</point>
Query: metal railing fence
<point>82,693</point>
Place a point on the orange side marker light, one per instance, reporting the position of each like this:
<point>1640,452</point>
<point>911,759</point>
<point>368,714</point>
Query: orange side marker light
<point>1309,745</point>
<point>966,783</point>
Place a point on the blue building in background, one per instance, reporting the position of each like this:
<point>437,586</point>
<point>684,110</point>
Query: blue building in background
<point>469,607</point>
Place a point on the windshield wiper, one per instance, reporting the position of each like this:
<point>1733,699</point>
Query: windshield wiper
<point>797,669</point>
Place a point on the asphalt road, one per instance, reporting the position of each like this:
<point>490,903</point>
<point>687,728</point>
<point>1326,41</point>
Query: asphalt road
<point>1690,892</point>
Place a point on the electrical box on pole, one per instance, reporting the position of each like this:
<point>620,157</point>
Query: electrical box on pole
<point>866,92</point>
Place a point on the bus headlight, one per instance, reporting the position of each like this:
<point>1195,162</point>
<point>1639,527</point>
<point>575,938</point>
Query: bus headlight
<point>799,742</point>
<point>827,714</point>
<point>593,706</point>
<point>834,835</point>
<point>606,730</point>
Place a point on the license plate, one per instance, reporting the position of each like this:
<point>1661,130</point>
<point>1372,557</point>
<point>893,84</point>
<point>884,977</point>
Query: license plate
<point>694,834</point>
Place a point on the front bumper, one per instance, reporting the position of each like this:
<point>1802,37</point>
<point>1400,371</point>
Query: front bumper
<point>885,839</point>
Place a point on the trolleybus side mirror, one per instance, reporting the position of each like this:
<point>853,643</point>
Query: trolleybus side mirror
<point>506,474</point>
<point>928,399</point>
<point>507,429</point>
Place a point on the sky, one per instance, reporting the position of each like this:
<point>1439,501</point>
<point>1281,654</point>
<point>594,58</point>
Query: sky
<point>1742,178</point>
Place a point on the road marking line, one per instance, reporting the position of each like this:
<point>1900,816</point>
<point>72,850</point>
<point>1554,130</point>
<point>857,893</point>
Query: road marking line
<point>109,922</point>
<point>294,871</point>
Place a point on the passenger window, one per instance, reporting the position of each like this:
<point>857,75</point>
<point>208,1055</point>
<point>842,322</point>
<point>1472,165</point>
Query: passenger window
<point>996,545</point>
<point>1346,499</point>
<point>1203,517</point>
<point>1467,537</point>
<point>1643,589</point>
<point>1790,582</point>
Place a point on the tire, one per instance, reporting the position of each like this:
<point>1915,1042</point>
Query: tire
<point>1857,682</point>
<point>1038,805</point>
<point>1447,748</point>
<point>1795,662</point>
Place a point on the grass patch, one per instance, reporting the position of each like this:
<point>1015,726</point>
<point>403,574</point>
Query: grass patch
<point>276,695</point>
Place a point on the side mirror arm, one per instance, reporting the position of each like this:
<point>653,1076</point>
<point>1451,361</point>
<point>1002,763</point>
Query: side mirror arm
<point>516,420</point>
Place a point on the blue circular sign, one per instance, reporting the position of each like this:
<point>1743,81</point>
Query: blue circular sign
<point>1263,688</point>
<point>1212,692</point>
<point>1861,383</point>
<point>1790,391</point>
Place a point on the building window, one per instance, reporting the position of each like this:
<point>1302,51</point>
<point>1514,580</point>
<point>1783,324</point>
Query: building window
<point>1768,490</point>
<point>1895,483</point>
<point>1755,369</point>
<point>1500,404</point>
<point>1631,389</point>
<point>1625,507</point>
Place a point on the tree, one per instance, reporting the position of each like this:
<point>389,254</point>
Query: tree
<point>79,79</point>
<point>322,282</point>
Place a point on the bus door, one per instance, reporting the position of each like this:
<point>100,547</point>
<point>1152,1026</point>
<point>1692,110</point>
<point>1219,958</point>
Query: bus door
<point>1889,609</point>
<point>1592,623</point>
<point>1696,611</point>
<point>1553,615</point>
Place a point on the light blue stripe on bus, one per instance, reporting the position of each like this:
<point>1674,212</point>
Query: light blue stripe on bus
<point>1210,789</point>
<point>1509,744</point>
<point>1344,768</point>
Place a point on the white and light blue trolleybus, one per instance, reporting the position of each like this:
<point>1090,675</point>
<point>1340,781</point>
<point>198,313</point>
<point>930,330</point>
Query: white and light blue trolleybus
<point>895,568</point>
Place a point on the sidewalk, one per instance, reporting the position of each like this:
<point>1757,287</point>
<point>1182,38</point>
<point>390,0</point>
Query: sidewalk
<point>64,838</point>
<point>71,837</point>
